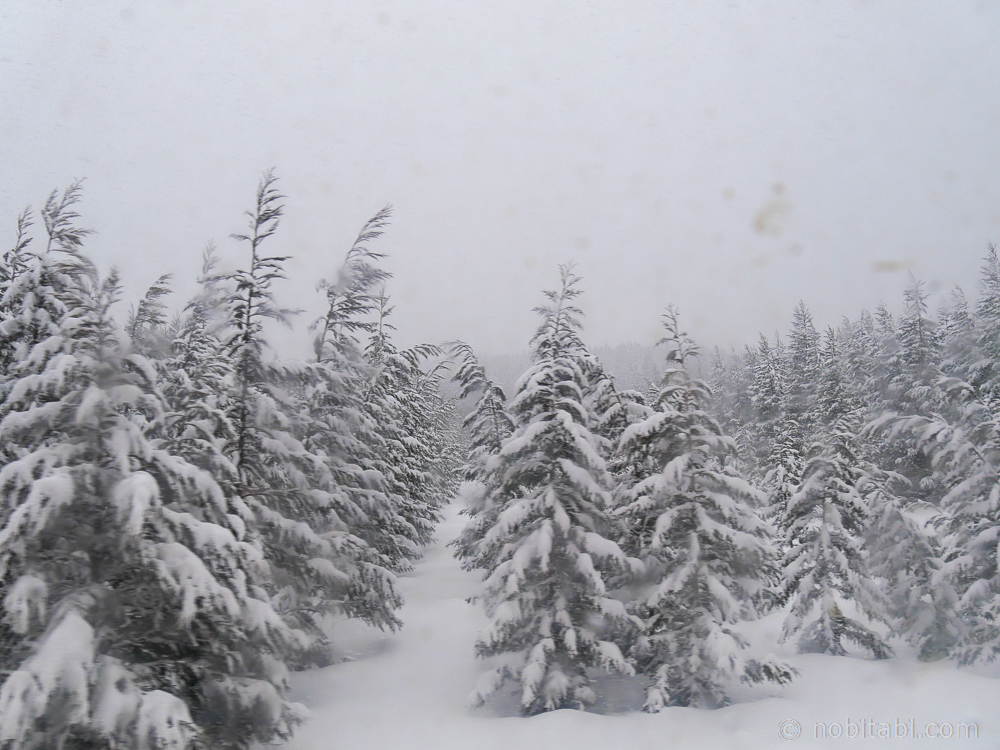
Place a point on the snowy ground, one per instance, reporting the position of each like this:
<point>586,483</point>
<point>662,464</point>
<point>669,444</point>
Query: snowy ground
<point>407,690</point>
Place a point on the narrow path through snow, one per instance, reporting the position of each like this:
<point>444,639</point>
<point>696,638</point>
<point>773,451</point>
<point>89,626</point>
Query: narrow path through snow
<point>408,687</point>
<point>407,691</point>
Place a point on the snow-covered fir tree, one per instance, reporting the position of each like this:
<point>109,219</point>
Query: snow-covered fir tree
<point>131,616</point>
<point>14,263</point>
<point>343,432</point>
<point>547,595</point>
<point>705,550</point>
<point>147,322</point>
<point>195,378</point>
<point>488,425</point>
<point>803,364</point>
<point>964,453</point>
<point>399,400</point>
<point>768,393</point>
<point>984,365</point>
<point>960,441</point>
<point>318,566</point>
<point>611,410</point>
<point>957,325</point>
<point>826,577</point>
<point>784,473</point>
<point>904,552</point>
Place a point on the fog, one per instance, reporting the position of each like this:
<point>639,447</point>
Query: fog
<point>728,157</point>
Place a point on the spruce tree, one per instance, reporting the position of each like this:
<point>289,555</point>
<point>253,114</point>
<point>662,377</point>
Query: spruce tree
<point>342,431</point>
<point>318,565</point>
<point>488,425</point>
<point>129,598</point>
<point>399,400</point>
<point>13,264</point>
<point>907,556</point>
<point>706,553</point>
<point>147,322</point>
<point>547,595</point>
<point>803,368</point>
<point>825,565</point>
<point>963,454</point>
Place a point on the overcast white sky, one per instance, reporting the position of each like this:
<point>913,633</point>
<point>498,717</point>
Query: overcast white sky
<point>730,157</point>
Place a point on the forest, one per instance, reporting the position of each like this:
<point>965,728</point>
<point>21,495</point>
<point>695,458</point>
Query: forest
<point>183,513</point>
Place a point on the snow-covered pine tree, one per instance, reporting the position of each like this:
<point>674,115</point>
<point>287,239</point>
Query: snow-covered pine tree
<point>547,595</point>
<point>23,323</point>
<point>825,521</point>
<point>722,384</point>
<point>985,367</point>
<point>14,263</point>
<point>317,564</point>
<point>803,370</point>
<point>135,622</point>
<point>611,410</point>
<point>399,401</point>
<point>768,390</point>
<point>905,553</point>
<point>919,339</point>
<point>861,356</point>
<point>488,425</point>
<point>913,358</point>
<point>961,443</point>
<point>957,330</point>
<point>767,398</point>
<point>441,428</point>
<point>964,455</point>
<point>825,567</point>
<point>706,553</point>
<point>889,359</point>
<point>196,378</point>
<point>353,295</point>
<point>343,431</point>
<point>744,412</point>
<point>784,473</point>
<point>836,397</point>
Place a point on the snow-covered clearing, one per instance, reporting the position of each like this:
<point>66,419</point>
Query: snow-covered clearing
<point>408,690</point>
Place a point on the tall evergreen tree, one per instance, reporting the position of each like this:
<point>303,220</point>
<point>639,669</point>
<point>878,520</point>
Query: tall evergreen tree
<point>399,401</point>
<point>611,410</point>
<point>957,330</point>
<point>547,595</point>
<point>963,453</point>
<point>341,430</point>
<point>488,425</point>
<point>706,553</point>
<point>317,564</point>
<point>985,369</point>
<point>784,473</point>
<point>825,565</point>
<point>147,322</point>
<point>907,556</point>
<point>129,591</point>
<point>803,368</point>
<point>14,263</point>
